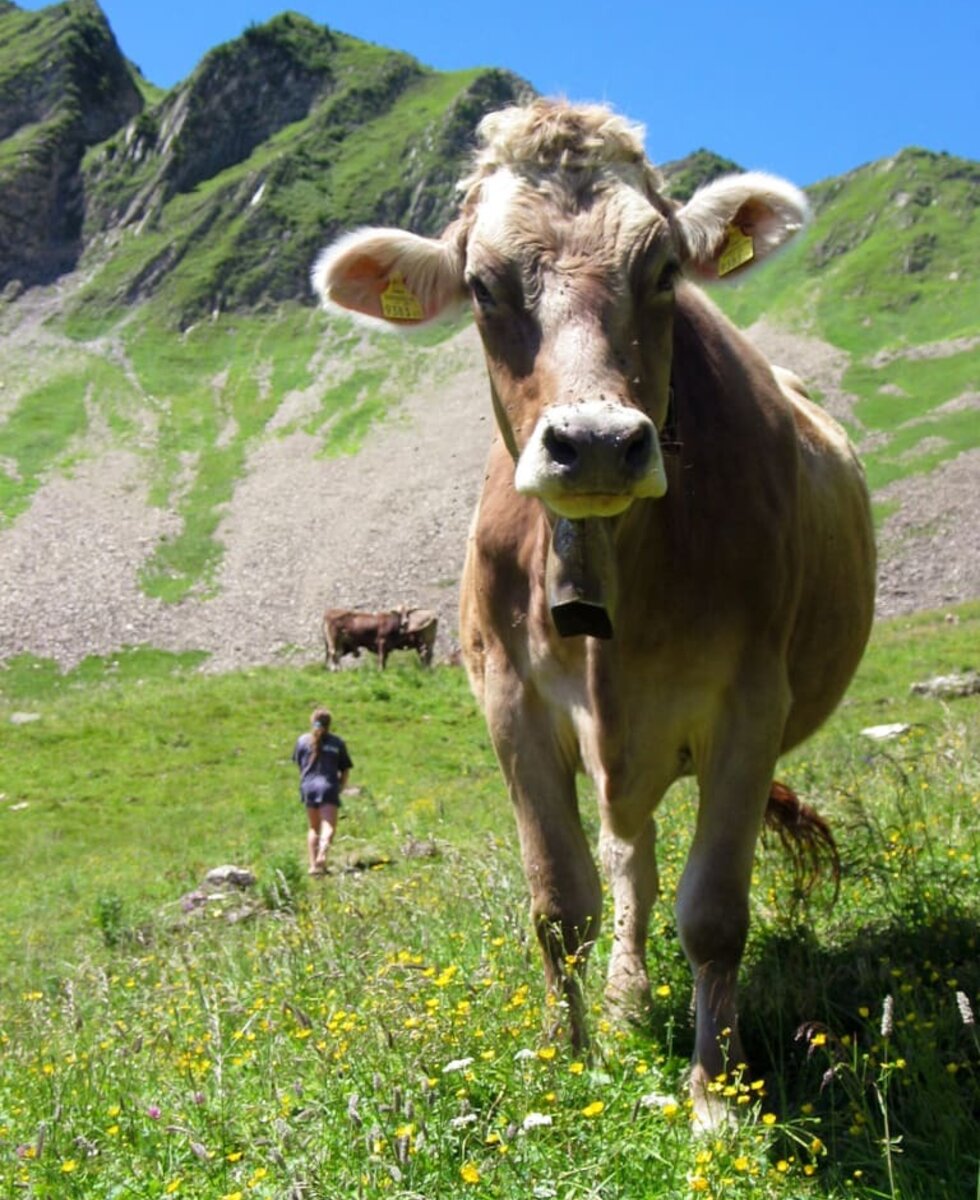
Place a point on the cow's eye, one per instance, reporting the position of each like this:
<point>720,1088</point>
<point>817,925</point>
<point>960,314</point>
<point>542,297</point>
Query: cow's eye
<point>481,293</point>
<point>668,277</point>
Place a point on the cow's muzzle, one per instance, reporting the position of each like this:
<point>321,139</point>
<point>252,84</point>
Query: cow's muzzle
<point>580,578</point>
<point>591,459</point>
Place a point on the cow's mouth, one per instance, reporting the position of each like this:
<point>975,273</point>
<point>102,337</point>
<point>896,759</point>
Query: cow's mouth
<point>582,506</point>
<point>591,459</point>
<point>580,578</point>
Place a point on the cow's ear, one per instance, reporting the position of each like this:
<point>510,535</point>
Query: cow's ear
<point>390,275</point>
<point>735,222</point>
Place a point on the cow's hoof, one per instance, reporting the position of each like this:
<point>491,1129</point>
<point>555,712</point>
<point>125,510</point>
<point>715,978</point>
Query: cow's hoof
<point>711,1113</point>
<point>628,999</point>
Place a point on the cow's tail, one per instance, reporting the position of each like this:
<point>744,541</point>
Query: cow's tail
<point>805,835</point>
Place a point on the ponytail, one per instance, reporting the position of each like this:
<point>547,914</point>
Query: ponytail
<point>320,721</point>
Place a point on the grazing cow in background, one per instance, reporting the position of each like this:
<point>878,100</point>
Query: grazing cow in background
<point>671,568</point>
<point>349,632</point>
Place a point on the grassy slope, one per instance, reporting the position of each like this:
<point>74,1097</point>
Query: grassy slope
<point>891,261</point>
<point>228,378</point>
<point>140,775</point>
<point>207,396</point>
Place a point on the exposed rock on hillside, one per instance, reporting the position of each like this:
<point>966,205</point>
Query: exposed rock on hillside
<point>64,86</point>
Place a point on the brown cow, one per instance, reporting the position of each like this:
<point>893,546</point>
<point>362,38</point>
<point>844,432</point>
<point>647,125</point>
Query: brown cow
<point>671,568</point>
<point>349,632</point>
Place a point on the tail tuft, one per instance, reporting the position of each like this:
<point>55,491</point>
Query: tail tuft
<point>805,835</point>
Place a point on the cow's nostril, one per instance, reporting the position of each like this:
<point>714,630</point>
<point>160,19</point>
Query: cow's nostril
<point>638,449</point>
<point>560,449</point>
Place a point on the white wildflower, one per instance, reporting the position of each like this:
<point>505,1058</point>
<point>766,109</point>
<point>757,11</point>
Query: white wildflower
<point>534,1120</point>
<point>888,1017</point>
<point>457,1064</point>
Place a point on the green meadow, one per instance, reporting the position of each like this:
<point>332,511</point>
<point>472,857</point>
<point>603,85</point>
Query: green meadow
<point>384,1031</point>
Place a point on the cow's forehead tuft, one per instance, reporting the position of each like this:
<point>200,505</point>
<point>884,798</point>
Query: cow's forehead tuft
<point>555,136</point>
<point>515,218</point>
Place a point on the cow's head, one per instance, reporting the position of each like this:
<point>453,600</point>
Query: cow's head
<point>570,257</point>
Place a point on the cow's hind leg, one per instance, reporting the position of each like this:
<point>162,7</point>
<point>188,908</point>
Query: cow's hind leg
<point>566,898</point>
<point>713,895</point>
<point>631,870</point>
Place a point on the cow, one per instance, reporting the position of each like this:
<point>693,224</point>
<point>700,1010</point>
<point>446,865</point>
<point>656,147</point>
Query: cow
<point>349,632</point>
<point>419,633</point>
<point>671,567</point>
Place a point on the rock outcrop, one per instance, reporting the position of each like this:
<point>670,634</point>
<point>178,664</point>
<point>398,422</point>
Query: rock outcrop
<point>64,86</point>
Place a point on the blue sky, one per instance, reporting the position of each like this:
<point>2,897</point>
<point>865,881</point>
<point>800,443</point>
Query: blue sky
<point>805,90</point>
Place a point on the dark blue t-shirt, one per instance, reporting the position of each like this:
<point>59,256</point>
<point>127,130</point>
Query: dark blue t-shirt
<point>319,781</point>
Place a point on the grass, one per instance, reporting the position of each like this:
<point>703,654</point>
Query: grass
<point>385,1031</point>
<point>888,263</point>
<point>45,430</point>
<point>889,260</point>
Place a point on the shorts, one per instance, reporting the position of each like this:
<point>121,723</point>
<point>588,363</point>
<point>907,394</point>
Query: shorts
<point>316,795</point>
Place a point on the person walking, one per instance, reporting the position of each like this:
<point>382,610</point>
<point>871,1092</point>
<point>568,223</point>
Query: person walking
<point>324,766</point>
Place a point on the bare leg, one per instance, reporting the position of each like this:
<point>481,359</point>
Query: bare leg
<point>328,828</point>
<point>315,820</point>
<point>631,869</point>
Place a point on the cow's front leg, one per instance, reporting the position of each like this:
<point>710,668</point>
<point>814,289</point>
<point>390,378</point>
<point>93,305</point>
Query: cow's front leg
<point>713,894</point>
<point>631,870</point>
<point>566,899</point>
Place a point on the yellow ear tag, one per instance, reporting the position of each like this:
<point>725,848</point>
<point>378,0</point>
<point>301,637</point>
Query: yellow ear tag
<point>398,303</point>
<point>737,250</point>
